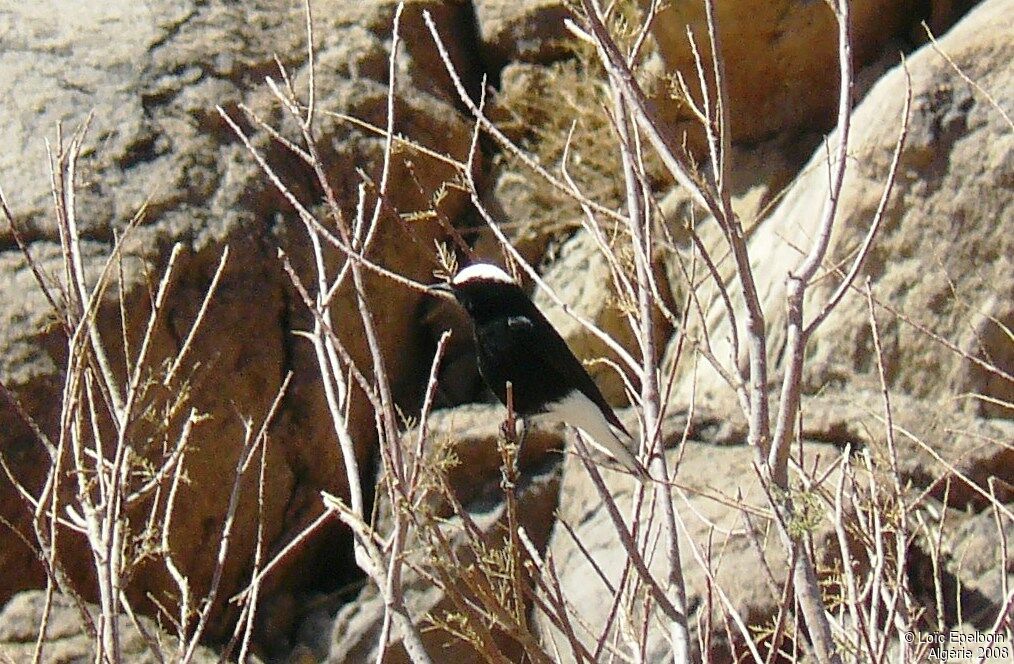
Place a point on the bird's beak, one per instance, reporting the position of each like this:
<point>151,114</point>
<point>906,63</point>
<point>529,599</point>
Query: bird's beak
<point>442,289</point>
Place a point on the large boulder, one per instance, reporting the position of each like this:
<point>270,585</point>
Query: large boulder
<point>725,542</point>
<point>153,76</point>
<point>940,268</point>
<point>780,56</point>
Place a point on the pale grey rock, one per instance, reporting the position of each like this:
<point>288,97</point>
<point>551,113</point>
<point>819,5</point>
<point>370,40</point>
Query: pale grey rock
<point>712,482</point>
<point>67,639</point>
<point>943,256</point>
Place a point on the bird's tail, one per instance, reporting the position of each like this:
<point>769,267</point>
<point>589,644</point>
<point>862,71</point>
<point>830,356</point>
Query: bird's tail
<point>581,412</point>
<point>617,445</point>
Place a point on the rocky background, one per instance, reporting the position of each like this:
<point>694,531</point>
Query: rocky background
<point>152,74</point>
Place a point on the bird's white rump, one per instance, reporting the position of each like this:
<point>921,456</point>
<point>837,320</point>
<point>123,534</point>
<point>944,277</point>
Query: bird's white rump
<point>579,411</point>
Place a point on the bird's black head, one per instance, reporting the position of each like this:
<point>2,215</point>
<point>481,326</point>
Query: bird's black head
<point>486,292</point>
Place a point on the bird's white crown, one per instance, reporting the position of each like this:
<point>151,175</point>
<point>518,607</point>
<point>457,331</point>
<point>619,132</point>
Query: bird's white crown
<point>482,272</point>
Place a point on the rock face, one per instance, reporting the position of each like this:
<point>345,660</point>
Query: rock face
<point>781,56</point>
<point>156,138</point>
<point>750,570</point>
<point>941,259</point>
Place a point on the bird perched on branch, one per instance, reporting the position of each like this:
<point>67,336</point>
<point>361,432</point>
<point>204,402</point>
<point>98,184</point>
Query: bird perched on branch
<point>516,344</point>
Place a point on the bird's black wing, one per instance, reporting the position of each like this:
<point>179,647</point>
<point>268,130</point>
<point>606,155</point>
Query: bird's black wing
<point>558,358</point>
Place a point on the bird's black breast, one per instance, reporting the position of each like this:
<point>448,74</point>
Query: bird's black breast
<point>513,348</point>
<point>526,350</point>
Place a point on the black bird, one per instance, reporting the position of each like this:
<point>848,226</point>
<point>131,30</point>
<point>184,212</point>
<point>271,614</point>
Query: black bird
<point>515,343</point>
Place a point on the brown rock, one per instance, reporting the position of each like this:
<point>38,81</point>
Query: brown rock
<point>473,430</point>
<point>529,216</point>
<point>780,57</point>
<point>156,137</point>
<point>582,279</point>
<point>525,31</point>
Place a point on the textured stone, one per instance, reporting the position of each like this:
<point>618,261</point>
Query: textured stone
<point>974,552</point>
<point>153,73</point>
<point>750,572</point>
<point>582,278</point>
<point>950,454</point>
<point>781,56</point>
<point>67,638</point>
<point>524,31</point>
<point>419,65</point>
<point>940,259</point>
